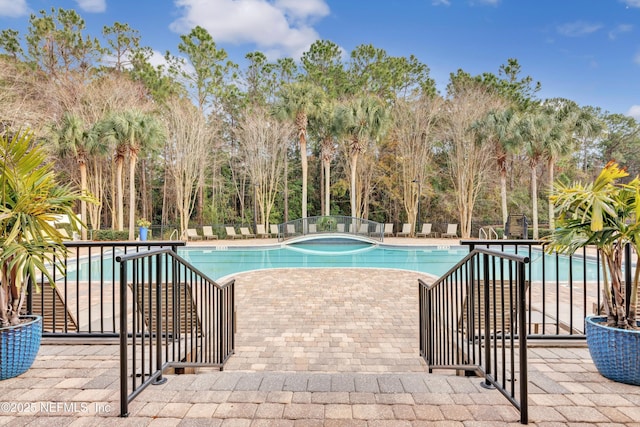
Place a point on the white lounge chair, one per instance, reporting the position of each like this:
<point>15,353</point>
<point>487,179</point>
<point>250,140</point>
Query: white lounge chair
<point>273,230</point>
<point>452,231</point>
<point>406,230</point>
<point>244,232</point>
<point>192,234</point>
<point>207,232</point>
<point>231,233</point>
<point>260,231</point>
<point>426,231</point>
<point>388,229</point>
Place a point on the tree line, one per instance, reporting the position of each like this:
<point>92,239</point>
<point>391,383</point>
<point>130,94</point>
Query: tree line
<point>201,140</point>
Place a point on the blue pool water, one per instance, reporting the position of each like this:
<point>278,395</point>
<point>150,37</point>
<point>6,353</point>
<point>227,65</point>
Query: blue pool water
<point>217,263</point>
<point>220,261</point>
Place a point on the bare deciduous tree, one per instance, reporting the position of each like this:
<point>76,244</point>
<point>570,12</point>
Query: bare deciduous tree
<point>188,148</point>
<point>414,123</point>
<point>263,142</point>
<point>468,161</point>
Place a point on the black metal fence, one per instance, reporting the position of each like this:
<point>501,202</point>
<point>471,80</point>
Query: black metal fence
<point>334,224</point>
<point>471,320</point>
<point>563,289</point>
<point>176,318</point>
<point>83,300</point>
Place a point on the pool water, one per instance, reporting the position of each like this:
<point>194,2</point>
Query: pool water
<point>220,262</point>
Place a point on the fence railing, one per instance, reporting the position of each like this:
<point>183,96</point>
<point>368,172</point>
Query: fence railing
<point>563,289</point>
<point>471,320</point>
<point>83,301</point>
<point>177,318</point>
<point>334,224</point>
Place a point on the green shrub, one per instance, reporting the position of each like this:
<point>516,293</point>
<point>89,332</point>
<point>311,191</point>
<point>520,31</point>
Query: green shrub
<point>106,235</point>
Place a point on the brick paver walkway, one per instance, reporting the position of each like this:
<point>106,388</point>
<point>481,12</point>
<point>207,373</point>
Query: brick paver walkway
<point>316,348</point>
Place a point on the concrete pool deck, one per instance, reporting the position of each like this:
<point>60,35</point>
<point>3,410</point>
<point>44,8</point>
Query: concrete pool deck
<point>316,347</point>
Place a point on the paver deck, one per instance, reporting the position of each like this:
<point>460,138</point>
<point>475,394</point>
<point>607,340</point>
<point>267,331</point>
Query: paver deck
<point>316,347</point>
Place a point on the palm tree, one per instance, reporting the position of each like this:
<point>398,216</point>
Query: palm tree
<point>132,131</point>
<point>570,122</point>
<point>299,101</point>
<point>538,131</point>
<point>499,129</point>
<point>364,120</point>
<point>326,126</point>
<point>71,138</point>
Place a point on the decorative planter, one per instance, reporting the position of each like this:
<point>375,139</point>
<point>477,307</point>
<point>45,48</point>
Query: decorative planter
<point>143,233</point>
<point>615,352</point>
<point>19,346</point>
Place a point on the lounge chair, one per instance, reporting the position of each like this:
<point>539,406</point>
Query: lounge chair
<point>340,228</point>
<point>244,232</point>
<point>426,231</point>
<point>273,230</point>
<point>452,231</point>
<point>260,231</point>
<point>406,230</point>
<point>207,232</point>
<point>364,229</point>
<point>313,229</point>
<point>63,233</point>
<point>291,230</point>
<point>231,233</point>
<point>388,229</point>
<point>192,234</point>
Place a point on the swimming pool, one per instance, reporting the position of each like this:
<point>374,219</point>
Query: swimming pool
<point>218,262</point>
<point>221,261</point>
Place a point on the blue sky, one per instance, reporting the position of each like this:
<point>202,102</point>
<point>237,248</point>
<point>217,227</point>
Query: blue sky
<point>584,50</point>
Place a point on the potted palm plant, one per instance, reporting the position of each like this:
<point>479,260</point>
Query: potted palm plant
<point>605,214</point>
<point>143,225</point>
<point>30,202</point>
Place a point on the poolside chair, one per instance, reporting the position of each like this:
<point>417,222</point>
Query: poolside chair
<point>179,318</point>
<point>260,231</point>
<point>192,234</point>
<point>426,231</point>
<point>207,232</point>
<point>63,233</point>
<point>388,229</point>
<point>452,231</point>
<point>245,233</point>
<point>231,233</point>
<point>406,230</point>
<point>364,229</point>
<point>273,230</point>
<point>313,229</point>
<point>340,228</point>
<point>49,303</point>
<point>291,230</point>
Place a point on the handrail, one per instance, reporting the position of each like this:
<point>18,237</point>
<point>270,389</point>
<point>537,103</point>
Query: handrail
<point>474,319</point>
<point>178,318</point>
<point>332,224</point>
<point>173,233</point>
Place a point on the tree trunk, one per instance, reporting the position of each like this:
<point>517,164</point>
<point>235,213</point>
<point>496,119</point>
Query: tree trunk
<point>83,203</point>
<point>120,200</point>
<point>132,195</point>
<point>551,207</point>
<point>534,201</point>
<point>503,196</point>
<point>286,187</point>
<point>354,164</point>
<point>327,187</point>
<point>305,167</point>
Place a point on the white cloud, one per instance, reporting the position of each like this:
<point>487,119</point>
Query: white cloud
<point>95,6</point>
<point>13,8</point>
<point>578,28</point>
<point>632,3</point>
<point>622,28</point>
<point>441,3</point>
<point>634,112</point>
<point>282,28</point>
